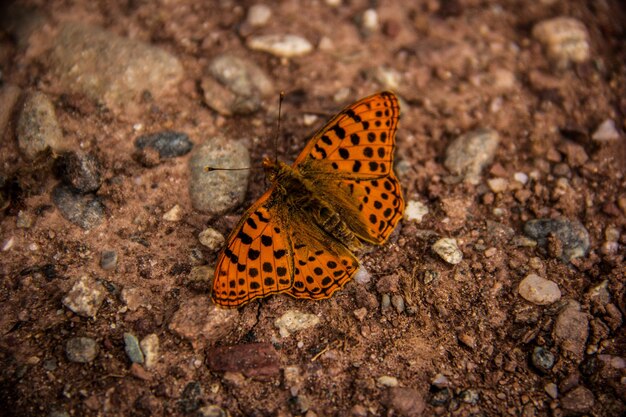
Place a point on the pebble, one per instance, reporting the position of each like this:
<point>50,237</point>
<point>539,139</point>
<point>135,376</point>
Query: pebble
<point>538,290</point>
<point>85,297</point>
<point>369,21</point>
<point>85,211</point>
<point>407,402</point>
<point>397,301</point>
<point>385,302</point>
<point>8,244</point>
<point>169,144</point>
<point>388,283</point>
<point>24,220</point>
<point>150,348</point>
<point>108,260</point>
<point>579,400</point>
<point>191,397</point>
<point>283,46</point>
<point>565,40</point>
<point>200,278</point>
<point>440,397</point>
<point>81,171</point>
<point>110,69</point>
<point>134,298</point>
<point>38,128</point>
<point>360,313</point>
<point>571,329</point>
<point>211,410</point>
<point>362,275</point>
<point>469,396</point>
<point>521,177</point>
<point>358,410</point>
<point>175,214</point>
<point>552,390</point>
<point>606,132</point>
<point>218,191</point>
<point>388,78</point>
<point>252,359</point>
<point>498,185</point>
<point>571,233</point>
<point>201,322</point>
<point>470,153</point>
<point>542,359</point>
<point>415,211</point>
<point>600,294</point>
<point>258,15</point>
<point>387,381</point>
<point>440,381</point>
<point>211,238</point>
<point>294,321</point>
<point>81,349</point>
<point>235,85</point>
<point>132,349</point>
<point>448,250</point>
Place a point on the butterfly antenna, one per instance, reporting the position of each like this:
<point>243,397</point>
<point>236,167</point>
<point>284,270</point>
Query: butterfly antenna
<point>281,97</point>
<point>210,169</point>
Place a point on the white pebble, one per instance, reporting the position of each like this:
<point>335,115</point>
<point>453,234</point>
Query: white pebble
<point>174,214</point>
<point>387,381</point>
<point>520,177</point>
<point>211,238</point>
<point>293,321</point>
<point>258,15</point>
<point>415,210</point>
<point>606,132</point>
<point>448,250</point>
<point>538,290</point>
<point>8,244</point>
<point>362,276</point>
<point>565,39</point>
<point>370,20</point>
<point>498,185</point>
<point>286,46</point>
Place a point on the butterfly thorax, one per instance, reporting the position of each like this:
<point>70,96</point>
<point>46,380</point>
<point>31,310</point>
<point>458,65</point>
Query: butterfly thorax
<point>296,192</point>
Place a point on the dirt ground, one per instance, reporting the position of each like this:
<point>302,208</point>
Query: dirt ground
<point>457,339</point>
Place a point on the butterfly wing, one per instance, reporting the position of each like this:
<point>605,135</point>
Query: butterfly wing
<point>257,260</point>
<point>349,162</point>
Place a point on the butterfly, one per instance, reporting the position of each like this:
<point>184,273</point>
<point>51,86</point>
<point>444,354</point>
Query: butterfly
<point>299,237</point>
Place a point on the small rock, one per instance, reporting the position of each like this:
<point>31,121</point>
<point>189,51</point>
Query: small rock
<point>294,321</point>
<point>169,144</point>
<point>571,329</point>
<point>542,359</point>
<point>498,185</point>
<point>448,250</point>
<point>606,132</point>
<point>385,302</point>
<point>108,260</point>
<point>406,402</point>
<point>8,244</point>
<point>139,372</point>
<point>132,349</point>
<point>362,275</point>
<point>81,171</point>
<point>520,177</point>
<point>565,39</point>
<point>175,214</point>
<point>575,153</point>
<point>469,396</point>
<point>111,69</point>
<point>469,153</point>
<point>369,21</point>
<point>387,381</point>
<point>284,46</point>
<point>397,301</point>
<point>81,349</point>
<point>600,294</point>
<point>85,211</point>
<point>572,235</point>
<point>552,390</point>
<point>388,78</point>
<point>211,238</point>
<point>579,400</point>
<point>24,220</point>
<point>202,322</point>
<point>539,290</point>
<point>253,359</point>
<point>134,298</point>
<point>440,381</point>
<point>218,191</point>
<point>211,411</point>
<point>258,15</point>
<point>388,283</point>
<point>38,128</point>
<point>468,340</point>
<point>358,410</point>
<point>415,211</point>
<point>360,313</point>
<point>85,297</point>
<point>150,348</point>
<point>199,279</point>
<point>191,397</point>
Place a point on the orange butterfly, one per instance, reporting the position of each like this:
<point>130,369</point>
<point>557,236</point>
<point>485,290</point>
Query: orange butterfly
<point>299,236</point>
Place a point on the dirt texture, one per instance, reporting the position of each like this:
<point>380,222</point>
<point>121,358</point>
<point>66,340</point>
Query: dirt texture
<point>501,293</point>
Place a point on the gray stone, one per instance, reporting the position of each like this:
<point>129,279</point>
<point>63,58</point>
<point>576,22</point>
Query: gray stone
<point>38,128</point>
<point>606,132</point>
<point>132,349</point>
<point>81,171</point>
<point>85,211</point>
<point>108,260</point>
<point>572,235</point>
<point>398,303</point>
<point>81,349</point>
<point>168,144</point>
<point>218,191</point>
<point>539,290</point>
<point>470,153</point>
<point>542,359</point>
<point>85,297</point>
<point>469,396</point>
<point>111,69</point>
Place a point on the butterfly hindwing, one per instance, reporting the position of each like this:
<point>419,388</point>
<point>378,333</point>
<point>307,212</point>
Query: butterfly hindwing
<point>258,259</point>
<point>359,141</point>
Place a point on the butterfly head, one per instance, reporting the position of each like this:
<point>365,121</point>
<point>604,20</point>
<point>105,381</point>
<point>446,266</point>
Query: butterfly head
<point>274,170</point>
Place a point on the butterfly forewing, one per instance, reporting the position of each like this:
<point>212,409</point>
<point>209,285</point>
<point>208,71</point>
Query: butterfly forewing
<point>257,261</point>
